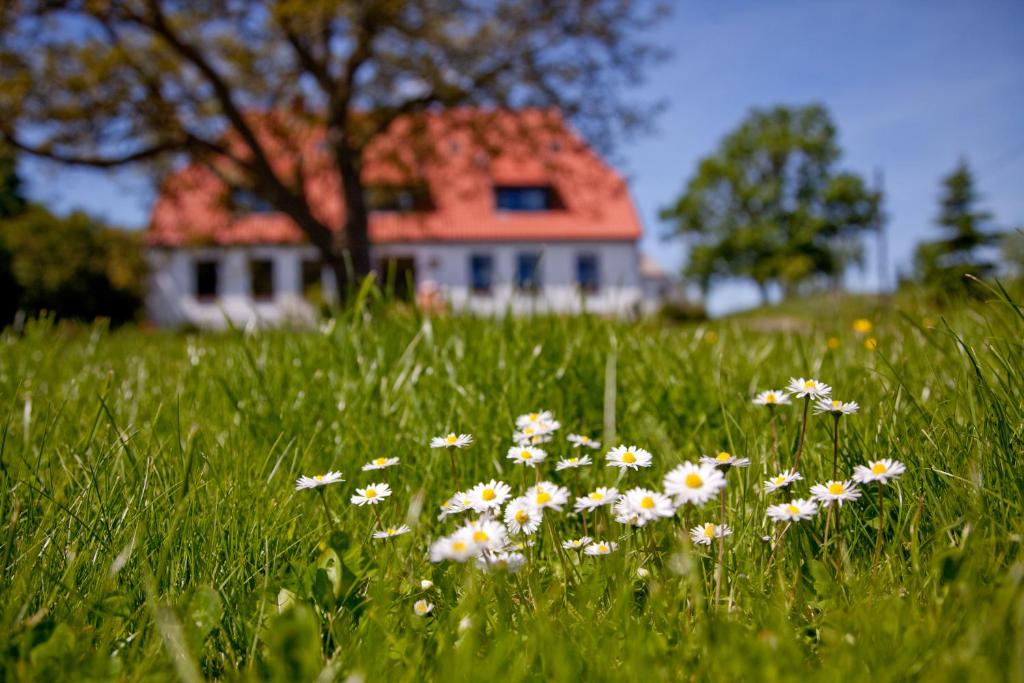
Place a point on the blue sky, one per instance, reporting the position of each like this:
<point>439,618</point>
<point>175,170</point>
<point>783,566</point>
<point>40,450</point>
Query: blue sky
<point>912,86</point>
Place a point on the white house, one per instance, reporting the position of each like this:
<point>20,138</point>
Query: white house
<point>537,226</point>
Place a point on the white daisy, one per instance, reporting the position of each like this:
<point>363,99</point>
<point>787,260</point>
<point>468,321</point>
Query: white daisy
<point>782,480</point>
<point>372,494</point>
<point>452,547</point>
<point>578,440</point>
<point>317,480</point>
<point>601,548</point>
<point>879,470</point>
<point>526,455</point>
<point>521,517</point>
<point>772,397</point>
<point>625,514</point>
<point>705,533</point>
<point>520,546</point>
<point>542,416</point>
<point>530,437</point>
<point>508,561</point>
<point>648,505</point>
<point>460,502</point>
<point>547,495</point>
<point>422,608</point>
<point>380,464</point>
<point>426,584</point>
<point>695,484</point>
<point>800,387</point>
<point>392,531</point>
<point>628,457</point>
<point>573,463</point>
<point>793,511</point>
<point>451,441</point>
<point>595,499</point>
<point>723,459</point>
<point>834,407</point>
<point>485,534</point>
<point>488,496</point>
<point>835,491</point>
<point>576,543</point>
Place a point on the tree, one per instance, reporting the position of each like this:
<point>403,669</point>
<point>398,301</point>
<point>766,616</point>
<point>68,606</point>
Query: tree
<point>770,206</point>
<point>944,263</point>
<point>125,81</point>
<point>11,204</point>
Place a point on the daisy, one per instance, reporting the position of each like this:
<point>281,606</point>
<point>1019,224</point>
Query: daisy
<point>879,470</point>
<point>451,441</point>
<point>628,457</point>
<point>800,387</point>
<point>782,480</point>
<point>576,543</point>
<point>595,499</point>
<point>648,505</point>
<point>422,608</point>
<point>723,459</point>
<point>625,514</point>
<point>601,548</point>
<point>526,455</point>
<point>695,484</point>
<point>521,517</point>
<point>452,547</point>
<point>372,494</point>
<point>835,491</point>
<point>509,561</point>
<point>392,531</point>
<point>834,407</point>
<point>793,511</point>
<point>426,584</point>
<point>530,437</point>
<point>489,496</point>
<point>547,495</point>
<point>380,464</point>
<point>485,534</point>
<point>317,480</point>
<point>705,533</point>
<point>460,502</point>
<point>578,440</point>
<point>573,463</point>
<point>772,397</point>
<point>535,418</point>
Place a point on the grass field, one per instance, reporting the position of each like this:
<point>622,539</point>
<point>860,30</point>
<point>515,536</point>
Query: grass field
<point>151,529</point>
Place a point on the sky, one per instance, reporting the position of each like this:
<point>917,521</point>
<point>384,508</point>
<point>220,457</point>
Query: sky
<point>912,87</point>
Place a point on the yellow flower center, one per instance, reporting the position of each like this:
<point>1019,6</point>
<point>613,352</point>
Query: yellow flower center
<point>723,457</point>
<point>694,481</point>
<point>522,516</point>
<point>603,548</point>
<point>480,536</point>
<point>380,461</point>
<point>319,477</point>
<point>835,403</point>
<point>534,416</point>
<point>452,438</point>
<point>458,546</point>
<point>584,439</point>
<point>573,461</point>
<point>809,384</point>
<point>779,479</point>
<point>526,455</point>
<point>647,503</point>
<point>835,488</point>
<point>528,431</point>
<point>391,531</point>
<point>488,494</point>
<point>878,468</point>
<point>709,530</point>
<point>770,398</point>
<point>543,497</point>
<point>596,495</point>
<point>629,457</point>
<point>792,509</point>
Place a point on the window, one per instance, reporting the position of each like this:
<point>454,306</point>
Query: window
<point>528,271</point>
<point>481,273</point>
<point>261,275</point>
<point>312,279</point>
<point>526,198</point>
<point>398,198</point>
<point>588,273</point>
<point>206,280</point>
<point>243,201</point>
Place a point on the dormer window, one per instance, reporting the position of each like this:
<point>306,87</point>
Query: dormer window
<point>399,198</point>
<point>526,198</point>
<point>244,201</point>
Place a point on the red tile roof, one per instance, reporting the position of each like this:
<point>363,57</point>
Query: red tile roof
<point>467,154</point>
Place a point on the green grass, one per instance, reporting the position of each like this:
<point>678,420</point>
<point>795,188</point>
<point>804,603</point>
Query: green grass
<point>149,521</point>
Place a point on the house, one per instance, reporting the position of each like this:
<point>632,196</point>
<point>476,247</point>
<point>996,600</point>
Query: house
<point>488,213</point>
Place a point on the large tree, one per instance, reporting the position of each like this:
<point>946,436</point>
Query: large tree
<point>769,205</point>
<point>111,82</point>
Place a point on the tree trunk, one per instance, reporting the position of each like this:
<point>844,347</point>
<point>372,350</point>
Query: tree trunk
<point>356,232</point>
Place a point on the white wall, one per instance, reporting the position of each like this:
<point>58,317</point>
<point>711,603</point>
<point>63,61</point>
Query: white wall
<point>171,297</point>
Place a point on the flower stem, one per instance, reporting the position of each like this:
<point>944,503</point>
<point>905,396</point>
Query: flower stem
<point>881,516</point>
<point>803,430</point>
<point>721,550</point>
<point>327,510</point>
<point>455,472</point>
<point>775,440</point>
<point>835,447</point>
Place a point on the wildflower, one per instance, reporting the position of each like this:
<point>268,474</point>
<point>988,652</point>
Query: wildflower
<point>861,325</point>
<point>426,584</point>
<point>526,455</point>
<point>576,543</point>
<point>800,387</point>
<point>628,457</point>
<point>793,511</point>
<point>454,547</point>
<point>648,505</point>
<point>520,546</point>
<point>601,548</point>
<point>578,440</point>
<point>542,416</point>
<point>573,463</point>
<point>422,608</point>
<point>835,491</point>
<point>832,343</point>
<point>460,502</point>
<point>488,496</point>
<point>372,494</point>
<point>696,484</point>
<point>547,495</point>
<point>625,514</point>
<point>772,397</point>
<point>317,480</point>
<point>530,437</point>
<point>782,480</point>
<point>484,534</point>
<point>870,343</point>
<point>597,498</point>
<point>705,533</point>
<point>509,561</point>
<point>451,441</point>
<point>521,517</point>
<point>879,470</point>
<point>723,459</point>
<point>834,407</point>
<point>380,464</point>
<point>392,531</point>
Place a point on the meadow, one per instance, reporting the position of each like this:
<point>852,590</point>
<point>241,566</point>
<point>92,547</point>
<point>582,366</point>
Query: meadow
<point>151,529</point>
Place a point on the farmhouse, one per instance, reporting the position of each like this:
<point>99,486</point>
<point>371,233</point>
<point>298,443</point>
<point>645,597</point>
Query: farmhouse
<point>494,214</point>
